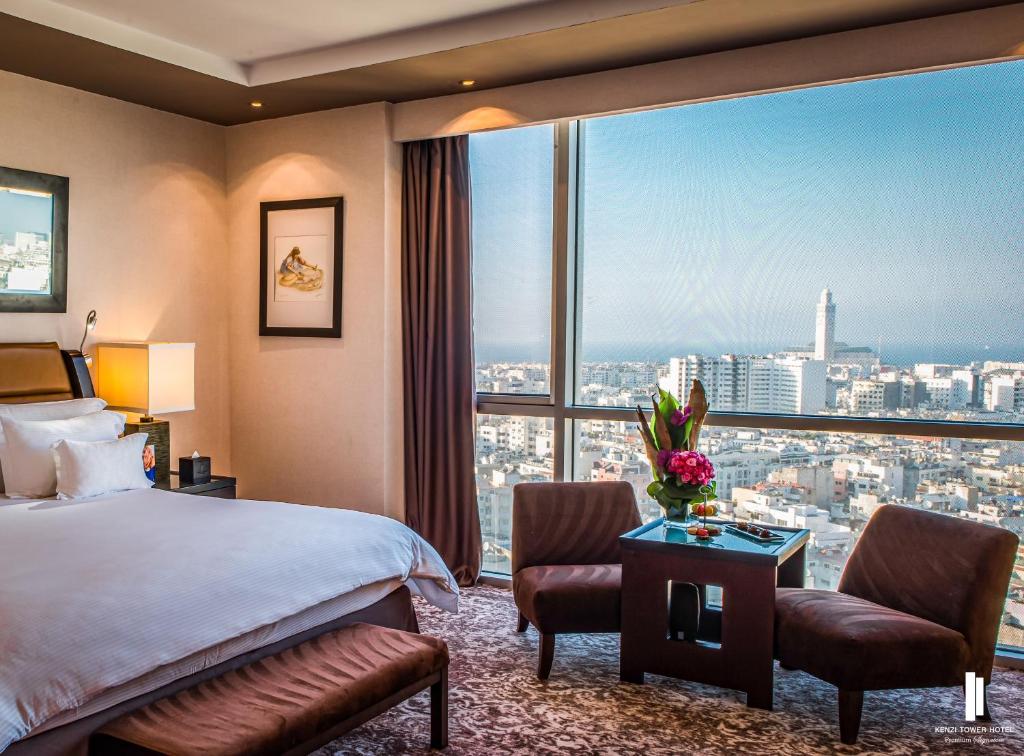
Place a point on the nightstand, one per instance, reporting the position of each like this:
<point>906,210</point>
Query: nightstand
<point>220,486</point>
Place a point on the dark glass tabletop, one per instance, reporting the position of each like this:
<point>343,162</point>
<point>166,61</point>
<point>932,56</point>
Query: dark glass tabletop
<point>655,534</point>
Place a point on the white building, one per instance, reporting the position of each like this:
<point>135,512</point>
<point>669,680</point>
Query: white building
<point>819,480</point>
<point>741,469</point>
<point>788,385</point>
<point>724,379</point>
<point>1001,392</point>
<point>947,393</point>
<point>752,384</point>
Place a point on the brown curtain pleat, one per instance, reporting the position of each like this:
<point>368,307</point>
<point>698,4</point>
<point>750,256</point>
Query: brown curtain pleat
<point>437,334</point>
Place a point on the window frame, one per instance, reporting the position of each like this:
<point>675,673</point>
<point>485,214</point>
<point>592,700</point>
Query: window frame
<point>565,366</point>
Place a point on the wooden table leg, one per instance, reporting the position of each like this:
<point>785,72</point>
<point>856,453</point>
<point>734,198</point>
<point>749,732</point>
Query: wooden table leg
<point>634,582</point>
<point>748,625</point>
<point>762,698</point>
<point>628,671</point>
<point>630,676</point>
<point>792,572</point>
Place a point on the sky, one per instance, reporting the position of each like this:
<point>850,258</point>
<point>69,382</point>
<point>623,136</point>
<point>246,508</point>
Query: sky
<point>714,227</point>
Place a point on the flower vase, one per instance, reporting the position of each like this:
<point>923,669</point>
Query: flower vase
<point>677,514</point>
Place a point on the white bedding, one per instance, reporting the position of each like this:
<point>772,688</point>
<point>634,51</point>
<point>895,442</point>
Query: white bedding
<point>97,593</point>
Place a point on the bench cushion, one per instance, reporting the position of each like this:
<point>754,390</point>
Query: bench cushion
<point>286,699</point>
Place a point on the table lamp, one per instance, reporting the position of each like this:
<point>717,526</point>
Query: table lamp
<point>149,378</point>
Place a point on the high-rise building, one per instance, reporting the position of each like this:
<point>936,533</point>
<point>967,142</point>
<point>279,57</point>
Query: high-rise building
<point>825,328</point>
<point>752,384</point>
<point>724,379</point>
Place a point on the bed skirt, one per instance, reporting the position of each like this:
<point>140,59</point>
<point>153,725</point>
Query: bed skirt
<point>394,610</point>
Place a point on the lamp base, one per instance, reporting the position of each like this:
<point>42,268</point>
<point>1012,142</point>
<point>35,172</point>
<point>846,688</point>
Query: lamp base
<point>159,432</point>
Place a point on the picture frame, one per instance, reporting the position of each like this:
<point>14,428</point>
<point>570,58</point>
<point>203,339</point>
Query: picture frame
<point>33,241</point>
<point>301,256</point>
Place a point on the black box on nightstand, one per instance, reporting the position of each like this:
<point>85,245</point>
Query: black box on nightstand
<point>194,470</point>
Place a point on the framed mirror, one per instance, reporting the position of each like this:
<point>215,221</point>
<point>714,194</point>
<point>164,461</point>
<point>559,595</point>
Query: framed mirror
<point>33,241</point>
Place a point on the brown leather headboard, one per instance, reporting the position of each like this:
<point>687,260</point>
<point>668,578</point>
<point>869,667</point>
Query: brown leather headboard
<point>41,373</point>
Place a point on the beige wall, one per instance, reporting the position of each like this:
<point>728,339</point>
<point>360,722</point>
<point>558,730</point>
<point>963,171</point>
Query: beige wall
<point>318,421</point>
<point>147,234</point>
<point>989,34</point>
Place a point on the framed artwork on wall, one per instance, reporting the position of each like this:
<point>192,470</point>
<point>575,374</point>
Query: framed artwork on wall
<point>301,245</point>
<point>33,241</point>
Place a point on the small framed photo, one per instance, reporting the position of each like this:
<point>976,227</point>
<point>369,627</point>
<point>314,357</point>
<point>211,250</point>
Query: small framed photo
<point>300,267</point>
<point>149,461</point>
<point>33,241</point>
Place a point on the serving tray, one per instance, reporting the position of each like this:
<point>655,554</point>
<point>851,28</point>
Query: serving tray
<point>743,534</point>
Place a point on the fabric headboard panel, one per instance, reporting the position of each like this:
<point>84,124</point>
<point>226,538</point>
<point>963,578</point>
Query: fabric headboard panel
<point>41,373</point>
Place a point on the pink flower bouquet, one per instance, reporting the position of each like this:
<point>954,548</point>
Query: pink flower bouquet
<point>680,471</point>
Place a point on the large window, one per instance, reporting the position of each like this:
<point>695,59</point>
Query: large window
<point>839,250</point>
<point>837,265</point>
<point>512,178</point>
<point>510,449</point>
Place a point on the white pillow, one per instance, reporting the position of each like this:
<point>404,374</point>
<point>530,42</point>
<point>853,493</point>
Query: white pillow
<point>30,471</point>
<point>92,468</point>
<point>62,410</point>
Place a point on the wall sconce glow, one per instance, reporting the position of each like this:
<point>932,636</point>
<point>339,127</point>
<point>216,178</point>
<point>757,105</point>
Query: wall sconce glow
<point>256,104</point>
<point>468,82</point>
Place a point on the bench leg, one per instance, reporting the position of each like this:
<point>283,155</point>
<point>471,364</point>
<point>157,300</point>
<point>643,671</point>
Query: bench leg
<point>439,712</point>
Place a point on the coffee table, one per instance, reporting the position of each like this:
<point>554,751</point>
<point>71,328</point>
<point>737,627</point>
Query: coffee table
<point>734,642</point>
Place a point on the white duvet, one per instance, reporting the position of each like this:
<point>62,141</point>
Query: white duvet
<point>97,592</point>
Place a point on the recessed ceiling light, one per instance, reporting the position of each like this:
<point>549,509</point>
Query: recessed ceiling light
<point>468,82</point>
<point>256,104</point>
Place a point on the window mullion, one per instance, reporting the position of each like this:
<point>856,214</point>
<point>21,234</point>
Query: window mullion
<point>560,311</point>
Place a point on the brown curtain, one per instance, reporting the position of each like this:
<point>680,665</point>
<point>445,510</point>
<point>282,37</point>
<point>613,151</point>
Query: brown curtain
<point>437,335</point>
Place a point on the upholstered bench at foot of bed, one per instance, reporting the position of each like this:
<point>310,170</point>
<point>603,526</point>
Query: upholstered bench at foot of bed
<point>292,702</point>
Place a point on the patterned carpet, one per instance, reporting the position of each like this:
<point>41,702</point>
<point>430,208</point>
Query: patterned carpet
<point>499,707</point>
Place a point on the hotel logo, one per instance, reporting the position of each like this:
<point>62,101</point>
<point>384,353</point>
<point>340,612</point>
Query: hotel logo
<point>974,696</point>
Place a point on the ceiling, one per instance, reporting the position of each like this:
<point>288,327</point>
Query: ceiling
<point>210,58</point>
<point>265,41</point>
<point>262,29</point>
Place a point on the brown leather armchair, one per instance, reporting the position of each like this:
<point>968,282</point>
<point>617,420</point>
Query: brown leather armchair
<point>566,566</point>
<point>918,606</point>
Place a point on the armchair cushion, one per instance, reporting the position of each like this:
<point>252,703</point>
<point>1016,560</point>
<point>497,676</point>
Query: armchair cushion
<point>856,644</point>
<point>570,598</point>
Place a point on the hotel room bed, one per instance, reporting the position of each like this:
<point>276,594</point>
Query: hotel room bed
<point>110,602</point>
<point>106,599</point>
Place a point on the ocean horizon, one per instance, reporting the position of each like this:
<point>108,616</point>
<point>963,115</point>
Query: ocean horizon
<point>902,356</point>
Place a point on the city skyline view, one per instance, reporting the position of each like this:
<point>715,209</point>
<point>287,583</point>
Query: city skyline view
<point>25,225</point>
<point>906,210</point>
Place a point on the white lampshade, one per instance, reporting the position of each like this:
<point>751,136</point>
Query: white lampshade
<point>150,378</point>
